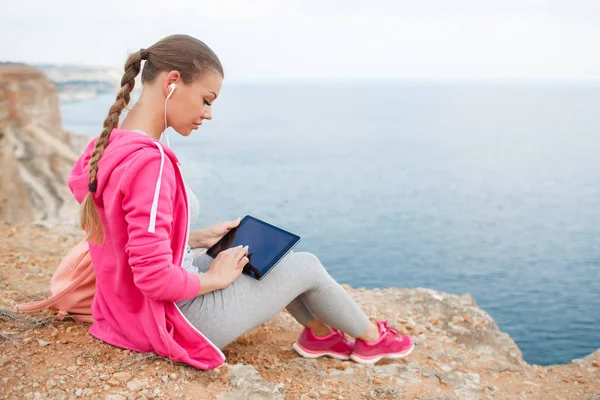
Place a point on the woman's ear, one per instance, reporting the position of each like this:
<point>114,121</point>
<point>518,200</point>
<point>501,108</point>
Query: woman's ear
<point>172,78</point>
<point>173,87</point>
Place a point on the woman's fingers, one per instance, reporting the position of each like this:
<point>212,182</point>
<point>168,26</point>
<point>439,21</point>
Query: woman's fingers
<point>243,252</point>
<point>232,250</point>
<point>236,253</point>
<point>242,263</point>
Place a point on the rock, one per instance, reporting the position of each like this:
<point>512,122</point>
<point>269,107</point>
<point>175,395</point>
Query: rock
<point>247,383</point>
<point>122,376</point>
<point>348,375</point>
<point>446,368</point>
<point>115,397</point>
<point>43,343</point>
<point>135,385</point>
<point>35,153</point>
<point>482,337</point>
<point>306,365</point>
<point>466,385</point>
<point>591,360</point>
<point>437,398</point>
<point>119,378</point>
<point>383,392</point>
<point>452,378</point>
<point>467,394</point>
<point>3,360</point>
<point>404,374</point>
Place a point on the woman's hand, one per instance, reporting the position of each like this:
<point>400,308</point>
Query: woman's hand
<point>206,238</point>
<point>224,270</point>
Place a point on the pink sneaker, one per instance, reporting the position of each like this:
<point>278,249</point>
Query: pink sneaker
<point>333,345</point>
<point>391,344</point>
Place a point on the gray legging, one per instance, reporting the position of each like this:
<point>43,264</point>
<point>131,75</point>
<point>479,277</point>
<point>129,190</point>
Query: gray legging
<point>299,283</point>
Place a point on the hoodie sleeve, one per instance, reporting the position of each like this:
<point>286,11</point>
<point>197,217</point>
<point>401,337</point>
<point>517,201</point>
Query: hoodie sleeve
<point>148,190</point>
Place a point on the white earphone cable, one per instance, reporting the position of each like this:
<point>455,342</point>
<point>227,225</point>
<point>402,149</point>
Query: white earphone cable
<point>166,134</point>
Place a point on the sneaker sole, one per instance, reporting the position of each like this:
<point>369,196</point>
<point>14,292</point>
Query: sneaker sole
<point>307,354</point>
<point>373,360</point>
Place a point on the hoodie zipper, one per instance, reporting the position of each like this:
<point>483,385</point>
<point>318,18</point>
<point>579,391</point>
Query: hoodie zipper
<point>151,228</point>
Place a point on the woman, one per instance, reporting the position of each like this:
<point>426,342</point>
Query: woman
<point>151,294</point>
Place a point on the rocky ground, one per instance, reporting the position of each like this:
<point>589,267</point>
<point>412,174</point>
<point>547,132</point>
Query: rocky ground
<point>460,353</point>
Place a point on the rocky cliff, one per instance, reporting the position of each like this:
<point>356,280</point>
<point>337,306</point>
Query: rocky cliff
<point>35,152</point>
<point>461,354</point>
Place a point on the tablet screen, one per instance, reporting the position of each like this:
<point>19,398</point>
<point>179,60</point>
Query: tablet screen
<point>267,244</point>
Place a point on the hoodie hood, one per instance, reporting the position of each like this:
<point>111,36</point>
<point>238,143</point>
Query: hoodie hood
<point>122,146</point>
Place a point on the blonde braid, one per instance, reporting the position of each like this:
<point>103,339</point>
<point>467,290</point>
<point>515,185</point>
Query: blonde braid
<point>89,217</point>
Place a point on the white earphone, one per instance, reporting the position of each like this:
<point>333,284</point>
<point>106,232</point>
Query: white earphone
<point>172,86</point>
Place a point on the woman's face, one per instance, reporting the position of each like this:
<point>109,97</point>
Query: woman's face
<point>190,105</point>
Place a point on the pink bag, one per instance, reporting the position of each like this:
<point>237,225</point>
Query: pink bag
<point>72,287</point>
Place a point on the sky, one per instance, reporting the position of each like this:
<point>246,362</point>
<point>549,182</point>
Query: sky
<point>278,40</point>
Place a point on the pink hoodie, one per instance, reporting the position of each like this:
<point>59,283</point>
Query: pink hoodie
<point>143,206</point>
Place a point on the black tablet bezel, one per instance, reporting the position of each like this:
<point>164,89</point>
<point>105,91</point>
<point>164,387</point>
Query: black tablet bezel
<point>293,242</point>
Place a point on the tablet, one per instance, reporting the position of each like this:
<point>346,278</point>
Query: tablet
<point>267,245</point>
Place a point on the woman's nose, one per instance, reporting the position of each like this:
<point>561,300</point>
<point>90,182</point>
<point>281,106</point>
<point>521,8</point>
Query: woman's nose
<point>207,114</point>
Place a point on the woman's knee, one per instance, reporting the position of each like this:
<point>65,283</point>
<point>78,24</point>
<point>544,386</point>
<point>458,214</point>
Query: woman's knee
<point>307,262</point>
<point>307,257</point>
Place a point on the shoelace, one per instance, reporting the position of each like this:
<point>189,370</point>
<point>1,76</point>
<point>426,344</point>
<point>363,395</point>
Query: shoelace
<point>399,337</point>
<point>344,338</point>
<point>390,329</point>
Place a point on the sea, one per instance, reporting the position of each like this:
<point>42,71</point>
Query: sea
<point>484,188</point>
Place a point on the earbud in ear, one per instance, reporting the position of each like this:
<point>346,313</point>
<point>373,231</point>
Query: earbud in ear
<point>172,86</point>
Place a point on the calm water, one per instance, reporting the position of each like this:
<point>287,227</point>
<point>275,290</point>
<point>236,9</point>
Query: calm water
<point>491,190</point>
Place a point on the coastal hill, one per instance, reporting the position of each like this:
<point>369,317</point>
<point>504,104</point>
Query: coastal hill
<point>75,83</point>
<point>460,351</point>
<point>36,154</point>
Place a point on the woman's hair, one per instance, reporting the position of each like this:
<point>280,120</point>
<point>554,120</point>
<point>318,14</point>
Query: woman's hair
<point>183,53</point>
